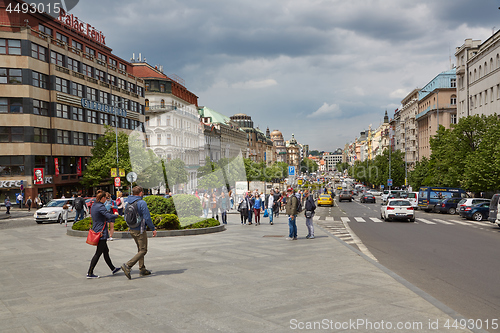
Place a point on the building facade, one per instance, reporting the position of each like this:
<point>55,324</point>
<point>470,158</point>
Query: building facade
<point>257,142</point>
<point>292,152</point>
<point>173,129</point>
<point>437,106</point>
<point>279,146</point>
<point>408,133</point>
<point>59,86</point>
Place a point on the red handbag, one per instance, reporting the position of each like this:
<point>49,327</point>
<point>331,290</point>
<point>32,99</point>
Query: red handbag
<point>94,237</point>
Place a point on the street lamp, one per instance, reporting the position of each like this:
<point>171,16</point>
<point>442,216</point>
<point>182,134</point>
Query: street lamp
<point>115,103</point>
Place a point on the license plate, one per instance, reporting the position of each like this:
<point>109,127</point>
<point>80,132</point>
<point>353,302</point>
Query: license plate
<point>400,214</point>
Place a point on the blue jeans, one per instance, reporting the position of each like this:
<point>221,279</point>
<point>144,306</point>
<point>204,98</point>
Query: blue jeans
<point>270,211</point>
<point>250,213</point>
<point>292,225</point>
<point>205,212</point>
<point>79,215</point>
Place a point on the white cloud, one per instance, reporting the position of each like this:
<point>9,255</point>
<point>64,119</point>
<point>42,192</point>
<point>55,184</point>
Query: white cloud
<point>399,93</point>
<point>252,84</point>
<point>326,111</point>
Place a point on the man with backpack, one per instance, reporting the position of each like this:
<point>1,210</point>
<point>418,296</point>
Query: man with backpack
<point>309,213</point>
<point>137,217</point>
<point>79,206</point>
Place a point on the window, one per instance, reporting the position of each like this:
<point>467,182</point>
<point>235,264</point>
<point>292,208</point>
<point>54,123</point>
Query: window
<point>62,111</point>
<point>41,135</point>
<point>158,139</point>
<point>122,84</point>
<point>56,58</point>
<point>77,113</point>
<point>103,97</point>
<point>123,67</point>
<point>10,46</point>
<point>38,52</point>
<point>486,96</point>
<point>112,62</point>
<point>45,30</point>
<point>131,87</point>
<point>11,134</point>
<point>62,85</point>
<point>168,120</point>
<point>76,89</point>
<point>162,87</point>
<point>453,100</point>
<point>92,116</point>
<point>40,107</point>
<point>77,45</point>
<point>87,70</point>
<point>78,139</point>
<point>453,83</point>
<point>12,165</point>
<point>91,139</point>
<point>11,105</point>
<point>112,120</point>
<point>101,56</point>
<point>39,80</point>
<point>61,37</point>
<point>11,76</point>
<point>148,140</point>
<point>162,103</point>
<point>169,139</point>
<point>491,94</point>
<point>453,119</point>
<point>91,94</point>
<point>159,120</point>
<point>63,137</point>
<point>480,99</point>
<point>112,79</point>
<point>74,65</point>
<point>103,119</point>
<point>90,51</point>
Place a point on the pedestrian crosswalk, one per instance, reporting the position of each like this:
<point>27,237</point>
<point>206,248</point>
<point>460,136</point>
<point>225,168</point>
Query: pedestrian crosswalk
<point>418,220</point>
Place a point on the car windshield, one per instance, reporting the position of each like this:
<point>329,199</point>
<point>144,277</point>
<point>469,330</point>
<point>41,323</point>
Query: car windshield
<point>56,203</point>
<point>399,203</point>
<point>461,202</point>
<point>324,196</point>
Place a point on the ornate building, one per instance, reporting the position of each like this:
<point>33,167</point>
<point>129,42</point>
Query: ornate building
<point>257,142</point>
<point>292,152</point>
<point>279,146</point>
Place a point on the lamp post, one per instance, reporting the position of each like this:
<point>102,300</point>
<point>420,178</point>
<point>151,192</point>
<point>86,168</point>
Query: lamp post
<point>115,103</point>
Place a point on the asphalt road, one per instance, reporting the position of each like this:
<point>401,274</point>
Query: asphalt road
<point>452,259</point>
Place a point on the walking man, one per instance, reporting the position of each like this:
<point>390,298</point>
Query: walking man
<point>20,199</point>
<point>79,206</point>
<point>310,207</point>
<point>291,210</point>
<point>270,204</point>
<point>139,233</point>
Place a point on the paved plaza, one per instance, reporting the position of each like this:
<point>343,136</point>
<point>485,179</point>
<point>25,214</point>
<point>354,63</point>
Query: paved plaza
<point>244,279</point>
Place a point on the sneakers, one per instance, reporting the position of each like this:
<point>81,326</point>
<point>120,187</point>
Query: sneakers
<point>145,272</point>
<point>312,237</point>
<point>116,270</point>
<point>110,238</point>
<point>308,236</point>
<point>271,223</point>
<point>92,276</point>
<point>289,238</point>
<point>294,238</point>
<point>126,270</point>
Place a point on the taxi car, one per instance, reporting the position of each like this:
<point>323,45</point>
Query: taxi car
<point>397,209</point>
<point>325,200</point>
<point>53,211</point>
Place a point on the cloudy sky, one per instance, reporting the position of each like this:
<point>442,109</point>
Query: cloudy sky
<point>323,70</point>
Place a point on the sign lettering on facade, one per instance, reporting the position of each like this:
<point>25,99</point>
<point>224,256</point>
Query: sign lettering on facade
<point>91,105</point>
<point>10,183</point>
<point>73,22</point>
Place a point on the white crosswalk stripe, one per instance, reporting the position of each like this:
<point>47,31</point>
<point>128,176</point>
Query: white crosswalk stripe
<point>374,219</point>
<point>482,224</point>
<point>460,222</point>
<point>345,219</point>
<point>359,219</point>
<point>425,221</point>
<point>442,221</point>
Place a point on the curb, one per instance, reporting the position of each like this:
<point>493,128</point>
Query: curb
<point>159,233</point>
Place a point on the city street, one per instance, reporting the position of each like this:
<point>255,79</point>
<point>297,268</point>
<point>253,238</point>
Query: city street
<point>451,258</point>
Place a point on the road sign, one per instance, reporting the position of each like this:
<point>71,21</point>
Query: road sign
<point>113,172</point>
<point>389,182</point>
<point>22,185</point>
<point>291,171</point>
<point>131,177</point>
<point>382,187</point>
<point>299,181</point>
<point>118,182</point>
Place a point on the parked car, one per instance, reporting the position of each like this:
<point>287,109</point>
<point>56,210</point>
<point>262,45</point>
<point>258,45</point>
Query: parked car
<point>397,209</point>
<point>447,205</point>
<point>413,199</point>
<point>477,212</point>
<point>345,195</point>
<point>365,198</point>
<point>492,217</point>
<point>375,192</point>
<point>325,200</point>
<point>52,211</point>
<point>467,202</point>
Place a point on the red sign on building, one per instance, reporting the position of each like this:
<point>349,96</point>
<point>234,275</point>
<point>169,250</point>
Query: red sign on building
<point>118,182</point>
<point>38,176</point>
<point>56,165</point>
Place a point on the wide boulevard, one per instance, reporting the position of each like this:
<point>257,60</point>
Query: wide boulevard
<point>451,258</point>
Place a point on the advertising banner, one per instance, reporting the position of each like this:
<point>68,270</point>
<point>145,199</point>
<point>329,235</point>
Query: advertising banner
<point>38,176</point>
<point>56,165</point>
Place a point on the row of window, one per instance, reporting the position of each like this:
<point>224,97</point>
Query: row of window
<point>483,70</point>
<point>77,45</point>
<point>484,97</point>
<point>17,165</point>
<point>42,135</point>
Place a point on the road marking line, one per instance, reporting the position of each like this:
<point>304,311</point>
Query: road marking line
<point>359,219</point>
<point>329,218</point>
<point>482,223</point>
<point>374,219</point>
<point>442,221</point>
<point>358,242</point>
<point>345,219</point>
<point>460,222</point>
<point>425,221</point>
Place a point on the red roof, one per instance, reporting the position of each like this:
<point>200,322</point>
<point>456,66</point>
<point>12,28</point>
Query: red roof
<point>144,70</point>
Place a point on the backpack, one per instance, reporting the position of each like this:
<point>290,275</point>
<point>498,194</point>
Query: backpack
<point>79,203</point>
<point>299,205</point>
<point>131,215</point>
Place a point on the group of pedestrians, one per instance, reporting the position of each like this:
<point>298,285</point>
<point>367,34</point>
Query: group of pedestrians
<point>101,217</point>
<point>216,203</point>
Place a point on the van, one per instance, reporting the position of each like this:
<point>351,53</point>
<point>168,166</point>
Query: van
<point>493,216</point>
<point>428,197</point>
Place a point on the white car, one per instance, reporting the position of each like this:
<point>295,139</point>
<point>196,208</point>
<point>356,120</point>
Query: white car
<point>397,209</point>
<point>52,212</point>
<point>374,192</point>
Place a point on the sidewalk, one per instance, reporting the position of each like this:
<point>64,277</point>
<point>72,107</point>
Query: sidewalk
<point>16,212</point>
<point>245,279</point>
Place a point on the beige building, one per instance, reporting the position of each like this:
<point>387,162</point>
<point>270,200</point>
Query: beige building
<point>292,152</point>
<point>437,107</point>
<point>408,128</point>
<point>478,73</point>
<point>279,146</point>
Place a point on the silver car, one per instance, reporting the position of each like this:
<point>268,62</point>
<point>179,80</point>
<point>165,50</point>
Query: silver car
<point>53,211</point>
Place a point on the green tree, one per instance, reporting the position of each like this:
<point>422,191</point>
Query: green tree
<point>176,172</point>
<point>307,165</point>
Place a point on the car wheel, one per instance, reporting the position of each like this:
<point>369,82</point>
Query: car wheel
<point>39,222</point>
<point>350,200</point>
<point>477,216</point>
<point>452,211</point>
<point>412,219</point>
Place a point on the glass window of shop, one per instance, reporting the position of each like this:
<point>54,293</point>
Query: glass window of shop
<point>11,165</point>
